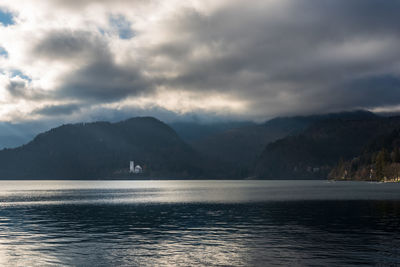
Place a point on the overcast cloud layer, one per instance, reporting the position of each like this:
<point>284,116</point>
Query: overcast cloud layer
<point>74,60</point>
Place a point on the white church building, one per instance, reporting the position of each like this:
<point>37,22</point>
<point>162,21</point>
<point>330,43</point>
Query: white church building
<point>135,169</point>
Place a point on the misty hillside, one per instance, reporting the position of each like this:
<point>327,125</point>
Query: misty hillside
<point>239,147</point>
<point>101,150</point>
<point>14,135</point>
<point>314,152</point>
<point>194,131</point>
<point>281,148</point>
<point>379,160</point>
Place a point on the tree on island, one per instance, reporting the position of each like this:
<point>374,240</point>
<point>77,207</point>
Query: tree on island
<point>380,163</point>
<point>396,155</point>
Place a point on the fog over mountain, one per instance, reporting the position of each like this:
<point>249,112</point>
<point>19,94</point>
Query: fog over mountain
<point>300,147</point>
<point>71,61</point>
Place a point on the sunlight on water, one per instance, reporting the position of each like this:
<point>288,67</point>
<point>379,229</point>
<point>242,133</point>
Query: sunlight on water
<point>209,223</point>
<point>86,192</point>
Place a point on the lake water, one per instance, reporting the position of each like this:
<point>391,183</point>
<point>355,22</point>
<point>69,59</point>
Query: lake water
<point>206,223</point>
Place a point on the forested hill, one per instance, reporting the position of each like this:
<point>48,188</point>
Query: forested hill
<point>236,146</point>
<point>102,150</point>
<point>380,160</point>
<point>303,147</point>
<point>314,152</point>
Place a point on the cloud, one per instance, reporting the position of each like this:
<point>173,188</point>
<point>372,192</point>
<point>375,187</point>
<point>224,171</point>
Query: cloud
<point>95,76</point>
<point>283,58</point>
<point>66,45</point>
<point>17,88</point>
<point>57,110</point>
<point>231,58</point>
<point>103,81</point>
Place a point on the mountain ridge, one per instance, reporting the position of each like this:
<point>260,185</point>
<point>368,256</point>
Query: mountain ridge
<point>313,153</point>
<point>270,150</point>
<point>99,150</point>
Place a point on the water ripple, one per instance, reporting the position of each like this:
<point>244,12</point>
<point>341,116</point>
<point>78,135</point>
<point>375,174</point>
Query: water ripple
<point>198,223</point>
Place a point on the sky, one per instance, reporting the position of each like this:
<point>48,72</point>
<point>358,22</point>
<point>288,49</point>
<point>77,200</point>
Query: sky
<point>84,60</point>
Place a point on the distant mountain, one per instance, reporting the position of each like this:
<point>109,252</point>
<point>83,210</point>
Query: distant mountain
<point>238,148</point>
<point>102,150</point>
<point>194,131</point>
<point>14,135</point>
<point>286,147</point>
<point>314,152</point>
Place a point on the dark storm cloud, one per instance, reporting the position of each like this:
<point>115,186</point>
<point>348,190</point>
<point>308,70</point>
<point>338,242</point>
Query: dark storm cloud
<point>291,43</point>
<point>72,45</point>
<point>113,115</point>
<point>369,92</point>
<point>16,88</point>
<point>279,57</point>
<point>99,78</point>
<point>104,81</point>
<point>57,110</point>
<point>20,89</point>
<point>301,49</point>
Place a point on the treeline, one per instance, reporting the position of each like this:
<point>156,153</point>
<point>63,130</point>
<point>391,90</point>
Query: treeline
<point>315,152</point>
<point>284,148</point>
<point>380,161</point>
<point>102,150</point>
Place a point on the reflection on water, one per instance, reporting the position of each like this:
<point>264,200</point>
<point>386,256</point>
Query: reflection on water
<point>215,223</point>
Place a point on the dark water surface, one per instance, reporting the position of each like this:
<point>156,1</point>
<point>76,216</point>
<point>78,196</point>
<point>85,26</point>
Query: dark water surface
<point>189,223</point>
